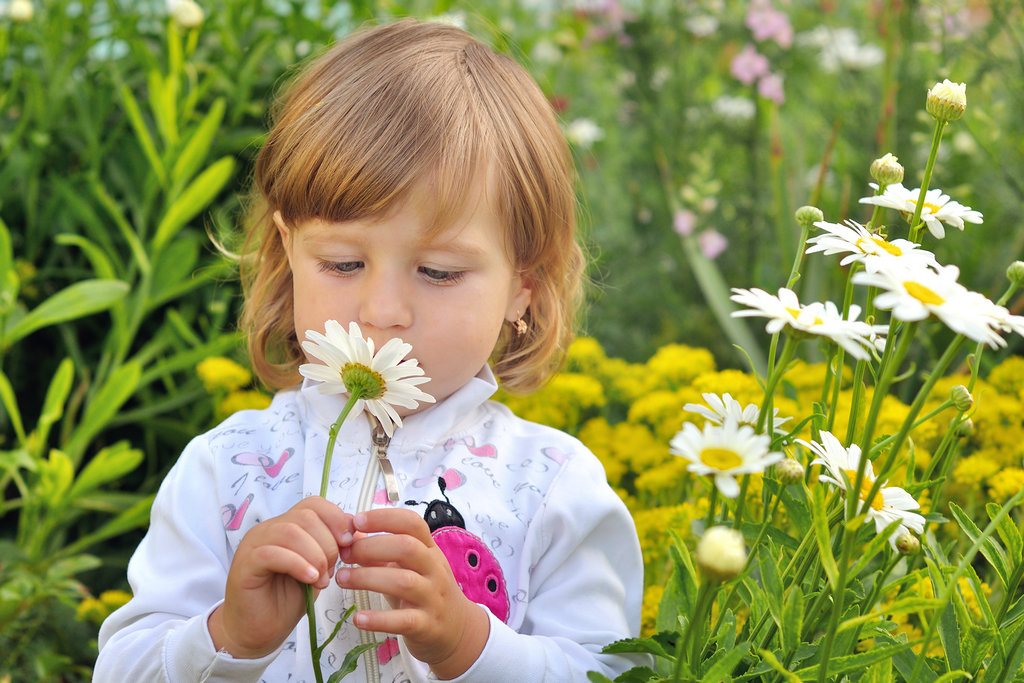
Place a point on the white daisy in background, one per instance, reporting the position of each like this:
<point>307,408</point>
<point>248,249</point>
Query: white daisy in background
<point>915,293</point>
<point>383,379</point>
<point>721,409</point>
<point>724,452</point>
<point>861,245</point>
<point>822,319</point>
<point>999,317</point>
<point>889,504</point>
<point>937,209</point>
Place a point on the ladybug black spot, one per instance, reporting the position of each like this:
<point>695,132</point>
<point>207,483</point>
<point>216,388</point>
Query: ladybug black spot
<point>492,585</point>
<point>472,559</point>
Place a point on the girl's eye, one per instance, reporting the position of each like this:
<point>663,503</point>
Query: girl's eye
<point>441,276</point>
<point>343,267</point>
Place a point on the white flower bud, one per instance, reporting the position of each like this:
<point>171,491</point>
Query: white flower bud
<point>887,170</point>
<point>961,398</point>
<point>20,10</point>
<point>947,101</point>
<point>721,553</point>
<point>907,543</point>
<point>789,471</point>
<point>186,13</point>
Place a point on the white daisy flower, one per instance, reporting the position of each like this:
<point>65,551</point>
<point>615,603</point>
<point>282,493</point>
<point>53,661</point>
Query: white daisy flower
<point>999,317</point>
<point>383,379</point>
<point>822,319</point>
<point>725,407</point>
<point>890,503</point>
<point>861,245</point>
<point>937,209</point>
<point>724,452</point>
<point>915,293</point>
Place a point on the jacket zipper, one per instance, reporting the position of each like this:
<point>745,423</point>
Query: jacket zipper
<point>378,465</point>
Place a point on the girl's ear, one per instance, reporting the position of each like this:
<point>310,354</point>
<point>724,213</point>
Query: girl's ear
<point>522,295</point>
<point>286,234</point>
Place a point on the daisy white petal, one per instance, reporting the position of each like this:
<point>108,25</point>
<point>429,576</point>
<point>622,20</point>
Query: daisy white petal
<point>915,293</point>
<point>725,407</point>
<point>724,452</point>
<point>385,378</point>
<point>860,244</point>
<point>938,208</point>
<point>821,319</point>
<point>889,504</point>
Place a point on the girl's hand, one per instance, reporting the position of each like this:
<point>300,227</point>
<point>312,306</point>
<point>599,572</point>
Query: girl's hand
<point>441,626</point>
<point>263,598</point>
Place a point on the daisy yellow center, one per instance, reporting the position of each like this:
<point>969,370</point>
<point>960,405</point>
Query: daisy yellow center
<point>796,314</point>
<point>865,489</point>
<point>927,206</point>
<point>923,294</point>
<point>361,380</point>
<point>720,458</point>
<point>886,246</point>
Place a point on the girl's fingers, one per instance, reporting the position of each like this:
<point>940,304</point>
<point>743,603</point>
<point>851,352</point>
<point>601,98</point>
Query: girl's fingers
<point>276,559</point>
<point>400,584</point>
<point>394,521</point>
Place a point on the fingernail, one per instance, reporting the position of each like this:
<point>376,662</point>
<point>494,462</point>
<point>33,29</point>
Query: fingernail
<point>360,519</point>
<point>311,575</point>
<point>343,575</point>
<point>361,620</point>
<point>346,538</point>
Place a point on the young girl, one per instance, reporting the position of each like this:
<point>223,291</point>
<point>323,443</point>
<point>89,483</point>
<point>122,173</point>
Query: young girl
<point>416,183</point>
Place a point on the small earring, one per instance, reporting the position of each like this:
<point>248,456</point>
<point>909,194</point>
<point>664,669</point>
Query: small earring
<point>520,325</point>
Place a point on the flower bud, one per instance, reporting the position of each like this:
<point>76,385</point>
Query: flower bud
<point>965,428</point>
<point>186,13</point>
<point>20,11</point>
<point>789,471</point>
<point>721,553</point>
<point>1015,273</point>
<point>947,101</point>
<point>807,216</point>
<point>961,398</point>
<point>907,543</point>
<point>887,170</point>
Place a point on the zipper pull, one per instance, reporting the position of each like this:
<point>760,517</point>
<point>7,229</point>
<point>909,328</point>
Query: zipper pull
<point>381,440</point>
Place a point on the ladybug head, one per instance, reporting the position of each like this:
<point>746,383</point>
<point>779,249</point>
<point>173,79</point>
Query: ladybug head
<point>440,513</point>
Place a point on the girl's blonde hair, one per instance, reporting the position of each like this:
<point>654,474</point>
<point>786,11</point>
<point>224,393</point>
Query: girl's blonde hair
<point>390,107</point>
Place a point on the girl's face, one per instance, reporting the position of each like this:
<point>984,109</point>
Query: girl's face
<point>446,294</point>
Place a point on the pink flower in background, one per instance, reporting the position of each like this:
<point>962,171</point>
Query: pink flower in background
<point>748,65</point>
<point>712,243</point>
<point>765,22</point>
<point>684,221</point>
<point>770,87</point>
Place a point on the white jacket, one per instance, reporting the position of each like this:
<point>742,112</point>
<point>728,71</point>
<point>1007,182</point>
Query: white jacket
<point>532,498</point>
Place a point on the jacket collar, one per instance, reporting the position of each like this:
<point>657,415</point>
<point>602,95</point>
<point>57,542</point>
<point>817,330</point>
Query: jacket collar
<point>423,428</point>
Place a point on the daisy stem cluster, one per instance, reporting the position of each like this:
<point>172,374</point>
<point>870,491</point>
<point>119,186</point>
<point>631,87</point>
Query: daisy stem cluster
<point>915,223</point>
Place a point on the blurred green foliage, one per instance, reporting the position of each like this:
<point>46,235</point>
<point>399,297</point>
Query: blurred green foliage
<point>126,142</point>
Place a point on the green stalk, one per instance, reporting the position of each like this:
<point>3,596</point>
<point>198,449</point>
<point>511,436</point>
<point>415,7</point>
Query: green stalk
<point>315,650</point>
<point>915,228</point>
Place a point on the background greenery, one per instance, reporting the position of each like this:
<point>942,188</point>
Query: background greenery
<point>125,139</point>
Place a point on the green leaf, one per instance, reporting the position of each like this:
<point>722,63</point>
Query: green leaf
<point>953,676</point>
<point>597,677</point>
<point>74,301</point>
<point>6,250</point>
<point>861,660</point>
<point>131,108</point>
<point>771,582</point>
<point>992,551</point>
<point>104,405</point>
<point>351,661</point>
<point>948,629</point>
<point>721,670</point>
<point>56,396</point>
<point>176,265</point>
<point>163,96</point>
<point>819,521</point>
<point>776,665</point>
<point>55,477</point>
<point>11,406</point>
<point>101,265</point>
<point>903,606</point>
<point>198,146</point>
<point>199,193</point>
<point>652,646</point>
<point>112,462</point>
<point>134,517</point>
<point>792,619</point>
<point>1008,532</point>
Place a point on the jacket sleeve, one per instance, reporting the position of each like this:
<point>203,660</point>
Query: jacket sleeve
<point>586,587</point>
<point>177,577</point>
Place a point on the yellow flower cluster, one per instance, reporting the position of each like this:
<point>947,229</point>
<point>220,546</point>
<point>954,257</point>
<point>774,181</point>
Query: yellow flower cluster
<point>222,374</point>
<point>95,610</point>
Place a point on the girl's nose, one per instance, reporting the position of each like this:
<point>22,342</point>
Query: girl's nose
<point>385,302</point>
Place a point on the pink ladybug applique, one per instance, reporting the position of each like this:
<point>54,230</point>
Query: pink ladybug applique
<point>474,566</point>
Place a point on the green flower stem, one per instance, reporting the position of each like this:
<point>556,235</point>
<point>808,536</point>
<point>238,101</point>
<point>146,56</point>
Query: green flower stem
<point>891,360</point>
<point>798,258</point>
<point>915,228</point>
<point>315,650</point>
<point>709,519</point>
<point>776,371</point>
<point>741,501</point>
